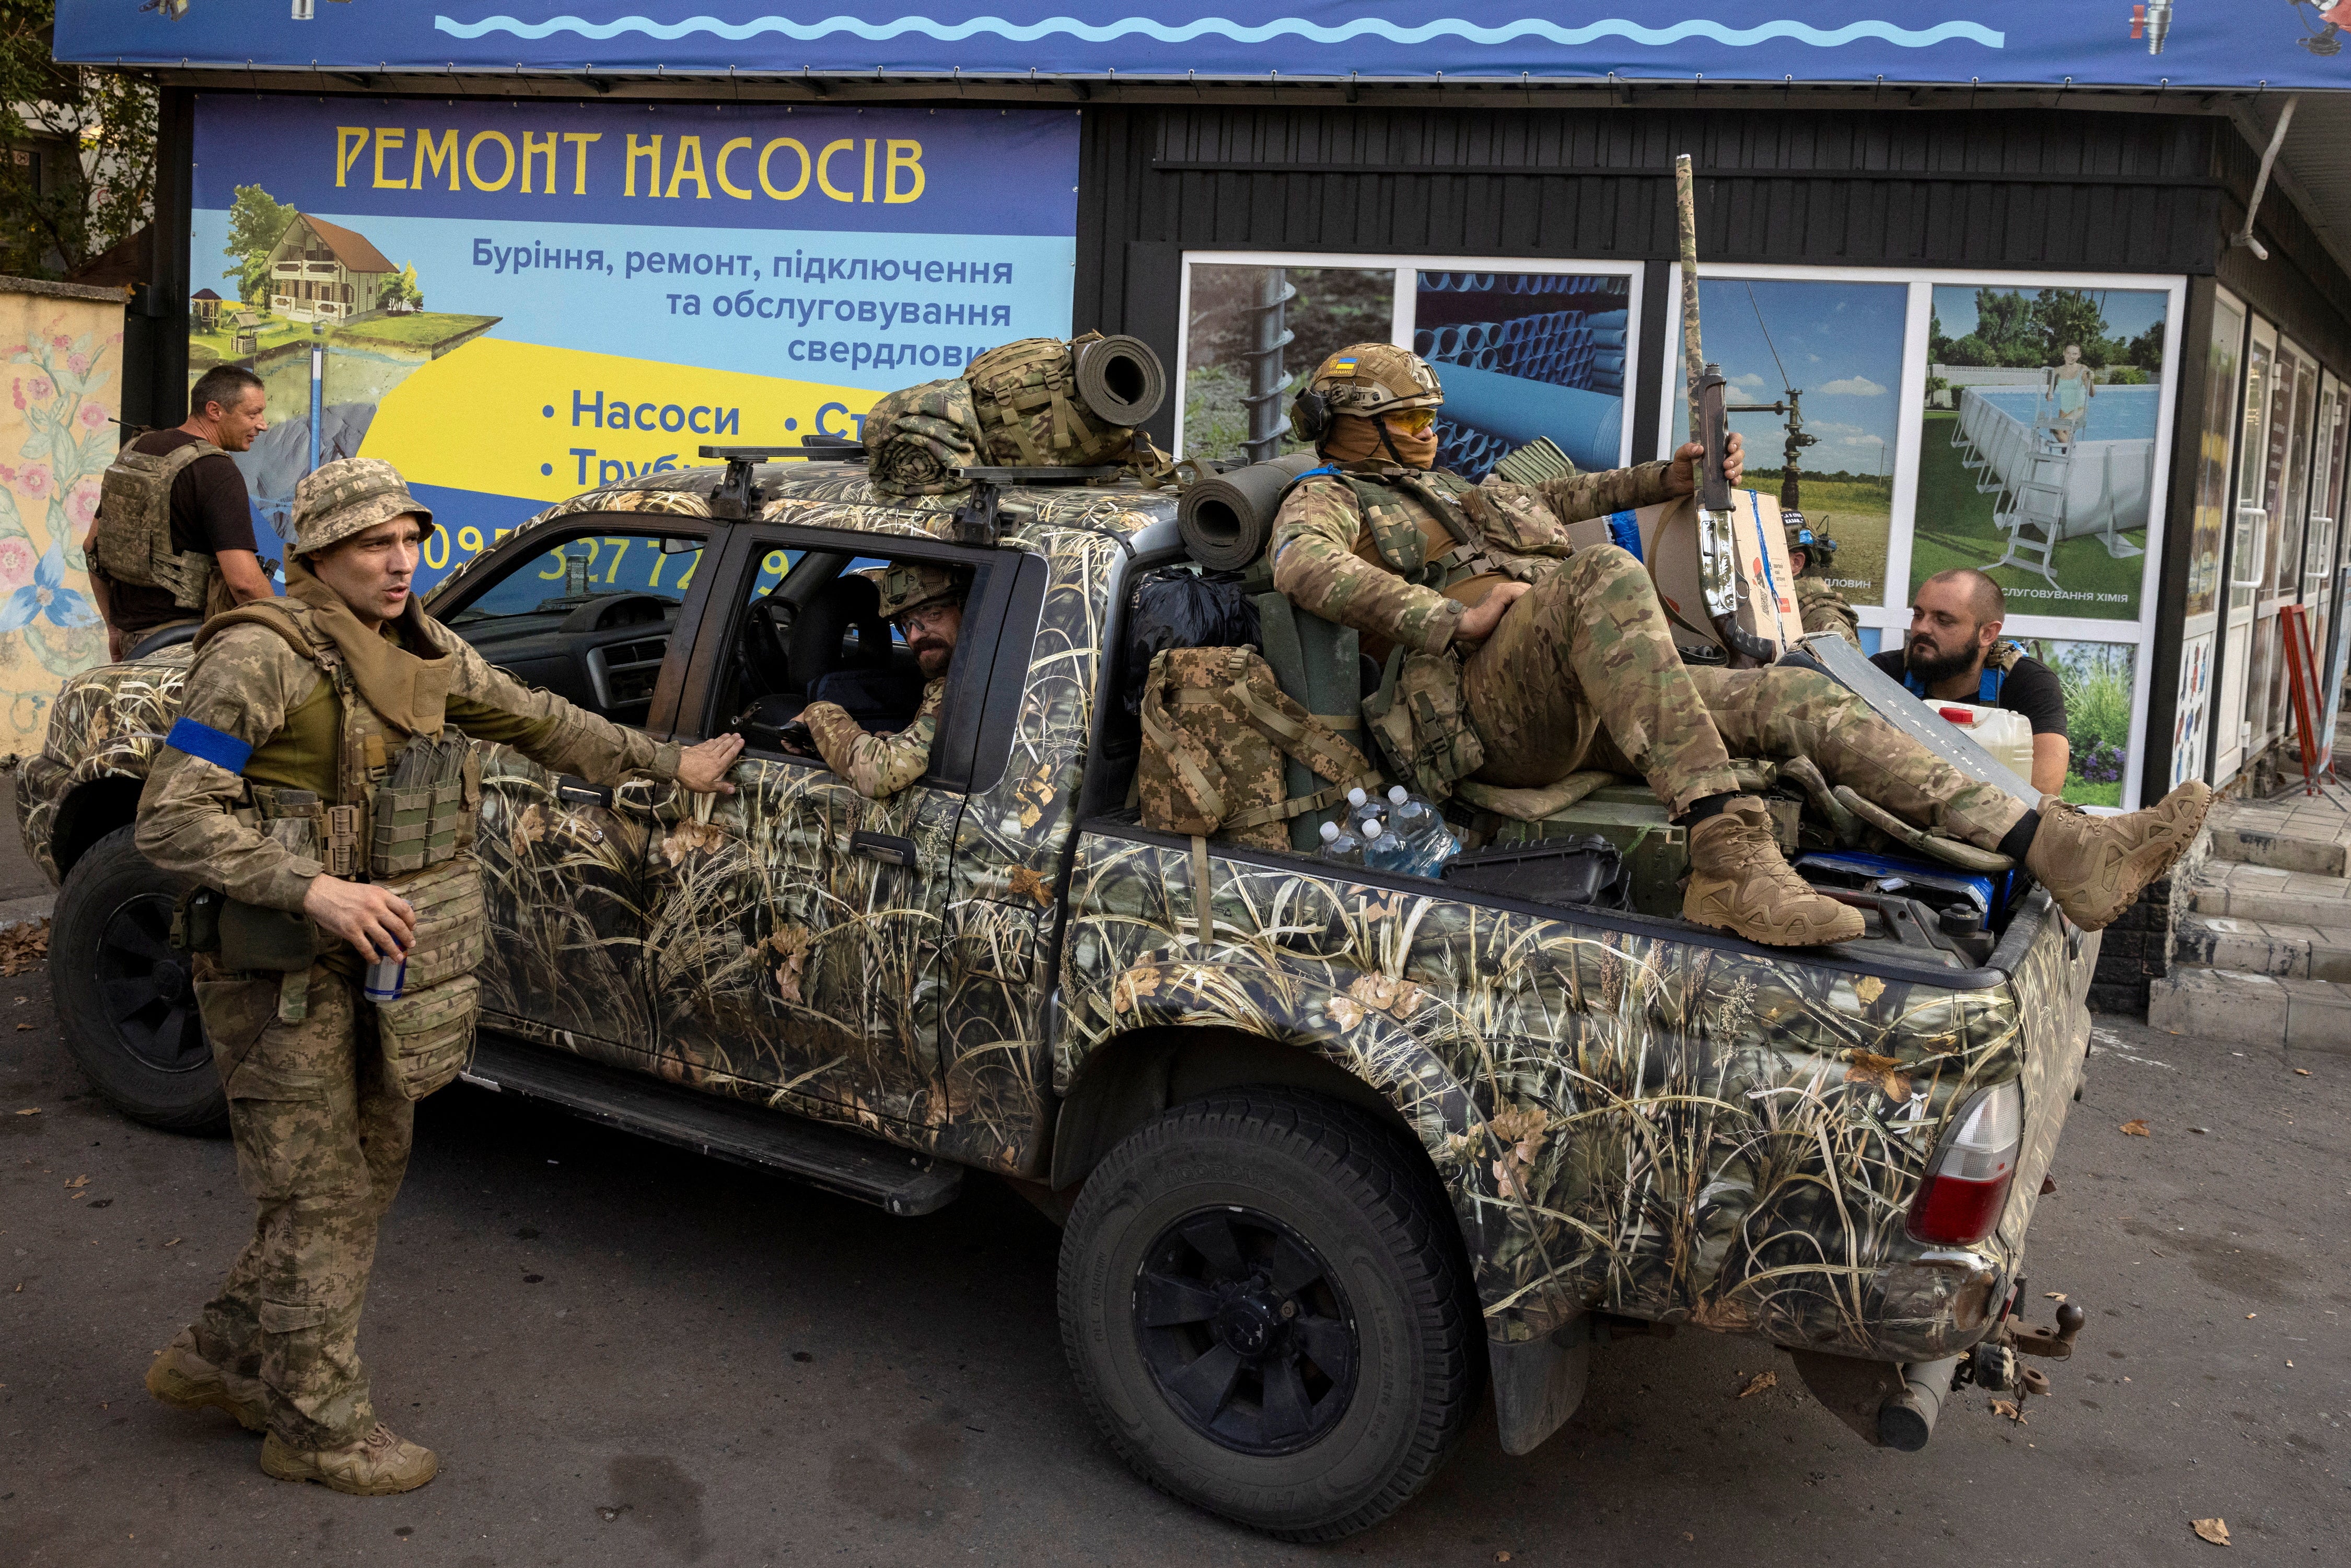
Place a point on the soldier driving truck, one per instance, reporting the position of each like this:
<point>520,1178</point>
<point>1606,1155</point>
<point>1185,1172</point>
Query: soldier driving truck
<point>321,776</point>
<point>1518,662</point>
<point>924,603</point>
<point>1340,1148</point>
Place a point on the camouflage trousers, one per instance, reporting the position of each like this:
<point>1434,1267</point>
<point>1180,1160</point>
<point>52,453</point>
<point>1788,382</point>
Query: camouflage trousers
<point>321,1147</point>
<point>1583,672</point>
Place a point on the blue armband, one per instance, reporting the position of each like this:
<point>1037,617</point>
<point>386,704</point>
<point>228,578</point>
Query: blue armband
<point>217,747</point>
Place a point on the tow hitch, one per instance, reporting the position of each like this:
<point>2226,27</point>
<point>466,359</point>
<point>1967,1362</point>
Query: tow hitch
<point>1895,1406</point>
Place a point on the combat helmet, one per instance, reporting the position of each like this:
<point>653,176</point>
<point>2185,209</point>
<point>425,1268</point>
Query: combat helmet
<point>1366,379</point>
<point>1819,550</point>
<point>911,584</point>
<point>351,495</point>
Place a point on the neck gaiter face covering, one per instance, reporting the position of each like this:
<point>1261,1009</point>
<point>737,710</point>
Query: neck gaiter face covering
<point>1356,439</point>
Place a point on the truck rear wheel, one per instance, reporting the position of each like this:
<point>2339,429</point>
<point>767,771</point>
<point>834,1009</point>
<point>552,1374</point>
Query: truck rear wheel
<point>125,995</point>
<point>1265,1302</point>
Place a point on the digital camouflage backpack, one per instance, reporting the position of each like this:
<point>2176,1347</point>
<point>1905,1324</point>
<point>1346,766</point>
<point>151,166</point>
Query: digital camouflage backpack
<point>135,525</point>
<point>916,438</point>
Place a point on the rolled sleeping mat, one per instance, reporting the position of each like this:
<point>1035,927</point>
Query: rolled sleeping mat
<point>1226,520</point>
<point>1122,380</point>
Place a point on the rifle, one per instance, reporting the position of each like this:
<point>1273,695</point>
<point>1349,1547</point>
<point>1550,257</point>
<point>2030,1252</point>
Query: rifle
<point>1717,545</point>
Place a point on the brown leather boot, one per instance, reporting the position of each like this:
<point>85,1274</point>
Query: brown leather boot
<point>2095,866</point>
<point>378,1465</point>
<point>1738,881</point>
<point>186,1381</point>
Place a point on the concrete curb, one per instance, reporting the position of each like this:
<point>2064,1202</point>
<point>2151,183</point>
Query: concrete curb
<point>16,911</point>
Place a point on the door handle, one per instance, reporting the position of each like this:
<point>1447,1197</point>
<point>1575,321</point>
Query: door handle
<point>887,848</point>
<point>569,791</point>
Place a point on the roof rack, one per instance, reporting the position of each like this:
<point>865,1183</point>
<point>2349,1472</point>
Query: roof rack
<point>738,491</point>
<point>975,521</point>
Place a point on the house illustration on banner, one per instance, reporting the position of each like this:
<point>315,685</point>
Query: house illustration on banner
<point>321,271</point>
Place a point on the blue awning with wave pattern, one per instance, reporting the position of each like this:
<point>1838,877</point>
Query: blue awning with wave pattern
<point>2105,43</point>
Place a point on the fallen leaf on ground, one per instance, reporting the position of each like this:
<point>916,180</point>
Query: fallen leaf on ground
<point>2301,1072</point>
<point>23,947</point>
<point>1501,1557</point>
<point>30,1110</point>
<point>2007,1407</point>
<point>78,1181</point>
<point>23,1026</point>
<point>173,1242</point>
<point>2215,1530</point>
<point>2251,1316</point>
<point>1759,1383</point>
<point>2052,1295</point>
<point>2135,1128</point>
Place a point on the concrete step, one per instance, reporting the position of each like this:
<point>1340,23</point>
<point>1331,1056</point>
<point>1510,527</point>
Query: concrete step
<point>2268,895</point>
<point>2225,1007</point>
<point>2310,834</point>
<point>2263,947</point>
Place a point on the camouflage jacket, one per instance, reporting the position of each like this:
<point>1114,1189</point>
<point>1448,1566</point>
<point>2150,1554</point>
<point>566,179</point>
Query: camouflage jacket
<point>247,681</point>
<point>876,766</point>
<point>1823,609</point>
<point>1316,565</point>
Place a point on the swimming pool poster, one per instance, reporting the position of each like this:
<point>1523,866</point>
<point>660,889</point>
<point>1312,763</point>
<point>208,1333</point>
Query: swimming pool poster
<point>516,302</point>
<point>2038,456</point>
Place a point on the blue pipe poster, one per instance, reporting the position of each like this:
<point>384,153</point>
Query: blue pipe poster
<point>2286,44</point>
<point>517,301</point>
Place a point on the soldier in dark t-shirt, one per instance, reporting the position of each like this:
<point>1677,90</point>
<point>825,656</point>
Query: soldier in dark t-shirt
<point>1955,651</point>
<point>210,511</point>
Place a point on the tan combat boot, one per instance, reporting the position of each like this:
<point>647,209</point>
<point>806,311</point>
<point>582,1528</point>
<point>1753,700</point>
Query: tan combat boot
<point>378,1465</point>
<point>2095,866</point>
<point>186,1381</point>
<point>1738,881</point>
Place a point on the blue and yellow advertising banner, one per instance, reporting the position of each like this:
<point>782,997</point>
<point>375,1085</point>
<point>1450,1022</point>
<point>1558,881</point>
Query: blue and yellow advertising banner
<point>2147,43</point>
<point>515,301</point>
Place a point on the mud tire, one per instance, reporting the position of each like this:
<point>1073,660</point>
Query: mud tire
<point>1362,1196</point>
<point>144,1055</point>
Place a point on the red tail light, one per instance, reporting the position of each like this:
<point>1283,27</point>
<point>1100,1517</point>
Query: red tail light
<point>1968,1178</point>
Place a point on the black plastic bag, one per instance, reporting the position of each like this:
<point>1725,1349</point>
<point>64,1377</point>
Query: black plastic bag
<point>1175,607</point>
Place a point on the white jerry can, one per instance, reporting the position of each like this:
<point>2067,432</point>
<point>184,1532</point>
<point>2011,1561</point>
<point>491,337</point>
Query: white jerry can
<point>2008,735</point>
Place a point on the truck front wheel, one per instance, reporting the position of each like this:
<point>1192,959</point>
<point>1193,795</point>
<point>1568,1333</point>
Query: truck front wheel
<point>1265,1302</point>
<point>125,995</point>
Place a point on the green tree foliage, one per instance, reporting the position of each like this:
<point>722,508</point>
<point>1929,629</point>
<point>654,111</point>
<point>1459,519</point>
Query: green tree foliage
<point>401,290</point>
<point>95,131</point>
<point>256,220</point>
<point>2027,333</point>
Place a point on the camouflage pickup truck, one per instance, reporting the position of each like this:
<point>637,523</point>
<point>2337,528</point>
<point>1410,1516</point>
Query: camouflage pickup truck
<point>1335,1151</point>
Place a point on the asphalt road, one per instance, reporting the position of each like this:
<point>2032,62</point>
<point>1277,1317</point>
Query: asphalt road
<point>634,1356</point>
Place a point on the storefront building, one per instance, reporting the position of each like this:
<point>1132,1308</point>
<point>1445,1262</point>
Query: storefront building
<point>2016,292</point>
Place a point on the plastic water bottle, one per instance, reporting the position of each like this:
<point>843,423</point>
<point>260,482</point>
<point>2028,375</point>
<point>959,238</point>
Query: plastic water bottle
<point>1341,848</point>
<point>1424,843</point>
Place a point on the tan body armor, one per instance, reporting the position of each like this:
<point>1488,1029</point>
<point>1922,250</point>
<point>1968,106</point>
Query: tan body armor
<point>416,839</point>
<point>135,525</point>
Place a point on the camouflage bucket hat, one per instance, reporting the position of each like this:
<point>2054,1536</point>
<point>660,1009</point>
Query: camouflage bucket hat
<point>351,495</point>
<point>917,438</point>
<point>1375,379</point>
<point>910,584</point>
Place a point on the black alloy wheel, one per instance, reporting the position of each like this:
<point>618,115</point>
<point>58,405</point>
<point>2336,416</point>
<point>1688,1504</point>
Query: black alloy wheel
<point>1267,1306</point>
<point>1246,1330</point>
<point>126,997</point>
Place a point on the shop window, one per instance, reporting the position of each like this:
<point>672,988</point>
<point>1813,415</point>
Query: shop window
<point>1522,351</point>
<point>2216,446</point>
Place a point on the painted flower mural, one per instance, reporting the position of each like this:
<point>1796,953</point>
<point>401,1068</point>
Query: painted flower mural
<point>57,436</point>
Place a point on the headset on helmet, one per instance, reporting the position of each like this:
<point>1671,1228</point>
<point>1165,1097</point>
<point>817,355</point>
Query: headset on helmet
<point>1366,379</point>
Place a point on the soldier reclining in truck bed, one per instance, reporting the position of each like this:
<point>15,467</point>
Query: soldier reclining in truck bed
<point>1524,663</point>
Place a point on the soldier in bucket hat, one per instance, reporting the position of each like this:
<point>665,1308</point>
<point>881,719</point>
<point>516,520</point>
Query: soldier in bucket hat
<point>294,715</point>
<point>925,604</point>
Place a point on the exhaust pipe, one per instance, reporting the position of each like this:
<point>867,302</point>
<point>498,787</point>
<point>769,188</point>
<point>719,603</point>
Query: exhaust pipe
<point>1907,1420</point>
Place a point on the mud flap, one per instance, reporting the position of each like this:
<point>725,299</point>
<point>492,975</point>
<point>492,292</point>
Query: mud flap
<point>1537,1383</point>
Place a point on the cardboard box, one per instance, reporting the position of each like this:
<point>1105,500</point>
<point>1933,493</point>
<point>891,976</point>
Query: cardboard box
<point>1664,539</point>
